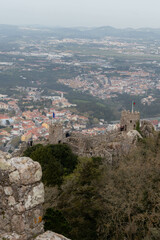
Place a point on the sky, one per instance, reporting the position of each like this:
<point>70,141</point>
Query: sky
<point>86,13</point>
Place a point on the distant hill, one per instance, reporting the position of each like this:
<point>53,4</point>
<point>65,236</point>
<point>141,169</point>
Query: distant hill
<point>80,32</point>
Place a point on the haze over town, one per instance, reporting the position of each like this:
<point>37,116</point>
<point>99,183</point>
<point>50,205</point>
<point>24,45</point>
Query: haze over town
<point>86,13</point>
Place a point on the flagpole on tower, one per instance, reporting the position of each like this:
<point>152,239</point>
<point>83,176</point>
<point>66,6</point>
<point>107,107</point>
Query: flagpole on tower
<point>133,104</point>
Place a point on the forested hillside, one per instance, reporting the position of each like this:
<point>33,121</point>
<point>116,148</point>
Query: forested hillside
<point>100,201</point>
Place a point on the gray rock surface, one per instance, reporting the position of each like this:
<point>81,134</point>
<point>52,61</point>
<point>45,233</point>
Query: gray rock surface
<point>21,198</point>
<point>133,136</point>
<point>51,236</point>
<point>147,128</point>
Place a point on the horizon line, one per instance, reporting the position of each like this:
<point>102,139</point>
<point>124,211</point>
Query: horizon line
<point>74,27</point>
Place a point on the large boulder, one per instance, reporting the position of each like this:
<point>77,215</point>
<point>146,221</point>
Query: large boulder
<point>147,129</point>
<point>51,236</point>
<point>133,136</point>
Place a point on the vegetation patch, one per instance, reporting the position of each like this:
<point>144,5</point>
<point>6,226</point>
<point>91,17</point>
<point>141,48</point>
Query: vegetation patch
<point>117,202</point>
<point>57,161</point>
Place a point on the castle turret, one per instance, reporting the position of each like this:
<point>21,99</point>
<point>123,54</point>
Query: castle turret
<point>55,133</point>
<point>129,120</point>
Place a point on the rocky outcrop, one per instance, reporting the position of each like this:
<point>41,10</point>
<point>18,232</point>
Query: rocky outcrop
<point>133,136</point>
<point>147,129</point>
<point>51,236</point>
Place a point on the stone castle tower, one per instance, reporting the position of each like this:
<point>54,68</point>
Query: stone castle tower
<point>129,120</point>
<point>55,133</point>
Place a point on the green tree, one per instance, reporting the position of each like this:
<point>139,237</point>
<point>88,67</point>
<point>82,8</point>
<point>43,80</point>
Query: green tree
<point>84,203</point>
<point>115,202</point>
<point>54,220</point>
<point>56,161</point>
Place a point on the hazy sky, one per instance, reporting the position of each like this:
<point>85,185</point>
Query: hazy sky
<point>116,13</point>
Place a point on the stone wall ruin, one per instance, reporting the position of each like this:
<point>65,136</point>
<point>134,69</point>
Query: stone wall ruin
<point>105,145</point>
<point>21,199</point>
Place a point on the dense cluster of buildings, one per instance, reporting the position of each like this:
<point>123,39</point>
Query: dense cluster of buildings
<point>98,84</point>
<point>32,123</point>
<point>103,77</point>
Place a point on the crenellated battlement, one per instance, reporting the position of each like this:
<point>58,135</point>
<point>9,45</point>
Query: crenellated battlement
<point>128,113</point>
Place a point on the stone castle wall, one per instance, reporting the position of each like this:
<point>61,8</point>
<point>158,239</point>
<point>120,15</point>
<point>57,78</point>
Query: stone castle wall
<point>21,199</point>
<point>22,195</point>
<point>102,145</point>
